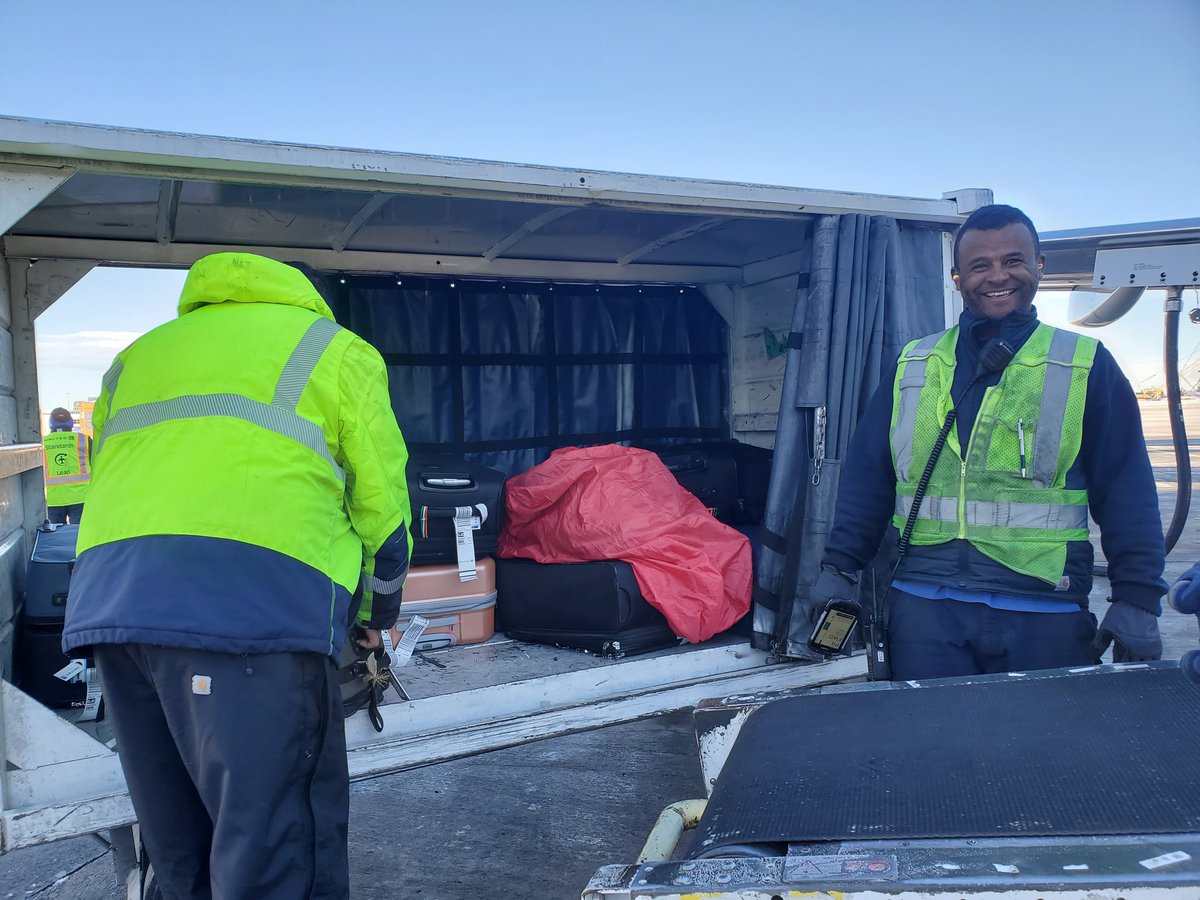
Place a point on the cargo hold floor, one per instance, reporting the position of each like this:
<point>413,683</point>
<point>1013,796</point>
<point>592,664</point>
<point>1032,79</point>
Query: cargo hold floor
<point>434,673</point>
<point>473,698</point>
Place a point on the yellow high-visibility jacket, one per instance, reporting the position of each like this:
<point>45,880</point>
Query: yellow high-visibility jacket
<point>246,463</point>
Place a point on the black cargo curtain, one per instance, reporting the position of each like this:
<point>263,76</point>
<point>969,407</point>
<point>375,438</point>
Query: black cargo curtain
<point>874,285</point>
<point>504,372</point>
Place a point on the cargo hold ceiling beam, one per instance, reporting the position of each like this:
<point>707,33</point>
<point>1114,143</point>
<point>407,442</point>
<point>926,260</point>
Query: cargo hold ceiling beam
<point>24,187</point>
<point>120,151</point>
<point>168,209</point>
<point>364,215</point>
<point>181,255</point>
<point>678,235</point>
<point>534,224</point>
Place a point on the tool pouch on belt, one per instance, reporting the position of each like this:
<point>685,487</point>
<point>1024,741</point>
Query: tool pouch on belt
<point>363,676</point>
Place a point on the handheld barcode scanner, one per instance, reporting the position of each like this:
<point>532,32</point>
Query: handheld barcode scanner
<point>834,626</point>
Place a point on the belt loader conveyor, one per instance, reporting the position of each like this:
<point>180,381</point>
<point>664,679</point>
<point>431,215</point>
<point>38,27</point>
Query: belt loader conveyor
<point>1060,784</point>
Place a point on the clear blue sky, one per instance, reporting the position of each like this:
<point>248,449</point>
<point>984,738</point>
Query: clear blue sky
<point>1083,112</point>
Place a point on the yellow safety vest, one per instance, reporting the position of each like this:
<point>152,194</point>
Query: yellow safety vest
<point>1019,514</point>
<point>67,469</point>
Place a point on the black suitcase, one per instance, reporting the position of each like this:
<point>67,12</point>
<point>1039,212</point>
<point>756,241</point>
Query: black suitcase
<point>37,650</point>
<point>437,487</point>
<point>594,606</point>
<point>49,574</point>
<point>37,655</point>
<point>728,477</point>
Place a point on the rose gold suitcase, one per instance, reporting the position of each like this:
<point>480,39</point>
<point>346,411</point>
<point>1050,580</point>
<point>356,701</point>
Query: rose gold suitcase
<point>459,612</point>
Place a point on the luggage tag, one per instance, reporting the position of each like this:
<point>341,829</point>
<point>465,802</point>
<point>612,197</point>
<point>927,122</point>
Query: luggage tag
<point>72,671</point>
<point>77,670</point>
<point>401,653</point>
<point>91,702</point>
<point>467,519</point>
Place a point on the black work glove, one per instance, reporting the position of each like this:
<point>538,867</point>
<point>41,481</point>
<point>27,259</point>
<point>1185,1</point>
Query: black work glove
<point>1132,631</point>
<point>832,585</point>
<point>829,585</point>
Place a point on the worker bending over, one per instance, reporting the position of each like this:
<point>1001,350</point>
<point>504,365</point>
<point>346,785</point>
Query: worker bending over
<point>998,570</point>
<point>247,461</point>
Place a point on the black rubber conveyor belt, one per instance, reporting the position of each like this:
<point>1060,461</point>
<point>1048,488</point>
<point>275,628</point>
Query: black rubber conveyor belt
<point>1101,752</point>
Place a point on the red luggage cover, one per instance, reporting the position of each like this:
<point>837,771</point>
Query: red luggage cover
<point>613,502</point>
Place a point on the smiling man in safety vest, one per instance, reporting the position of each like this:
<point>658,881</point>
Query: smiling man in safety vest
<point>1046,429</point>
<point>247,461</point>
<point>67,469</point>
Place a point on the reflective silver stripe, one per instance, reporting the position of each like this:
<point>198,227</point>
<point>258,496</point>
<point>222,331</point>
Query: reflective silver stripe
<point>109,386</point>
<point>378,586</point>
<point>905,427</point>
<point>112,376</point>
<point>279,416</point>
<point>904,432</point>
<point>300,365</point>
<point>925,345</point>
<point>1046,516</point>
<point>939,509</point>
<point>1048,440</point>
<point>196,406</point>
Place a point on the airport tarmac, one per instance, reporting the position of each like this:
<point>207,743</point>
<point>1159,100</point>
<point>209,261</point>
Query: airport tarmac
<point>534,822</point>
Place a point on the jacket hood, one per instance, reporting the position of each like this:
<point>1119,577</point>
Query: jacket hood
<point>248,278</point>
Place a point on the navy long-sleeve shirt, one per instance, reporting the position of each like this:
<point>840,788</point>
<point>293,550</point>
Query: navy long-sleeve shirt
<point>1112,465</point>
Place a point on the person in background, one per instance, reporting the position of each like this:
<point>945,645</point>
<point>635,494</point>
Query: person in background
<point>999,569</point>
<point>67,468</point>
<point>247,469</point>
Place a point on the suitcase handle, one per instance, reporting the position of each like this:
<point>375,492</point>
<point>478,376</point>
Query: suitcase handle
<point>447,481</point>
<point>686,464</point>
<point>449,512</point>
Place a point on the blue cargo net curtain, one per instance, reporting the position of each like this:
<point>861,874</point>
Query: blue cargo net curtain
<point>874,285</point>
<point>506,372</point>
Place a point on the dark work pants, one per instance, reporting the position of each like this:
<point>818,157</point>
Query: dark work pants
<point>242,793</point>
<point>946,638</point>
<point>63,515</point>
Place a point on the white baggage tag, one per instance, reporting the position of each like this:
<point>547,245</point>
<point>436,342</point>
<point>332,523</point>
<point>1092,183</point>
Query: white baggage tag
<point>91,703</point>
<point>408,643</point>
<point>77,670</point>
<point>72,671</point>
<point>386,636</point>
<point>465,522</point>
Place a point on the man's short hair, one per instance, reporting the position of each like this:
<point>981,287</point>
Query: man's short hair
<point>993,217</point>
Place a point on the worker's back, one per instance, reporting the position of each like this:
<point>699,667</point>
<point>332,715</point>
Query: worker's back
<point>224,440</point>
<point>210,472</point>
